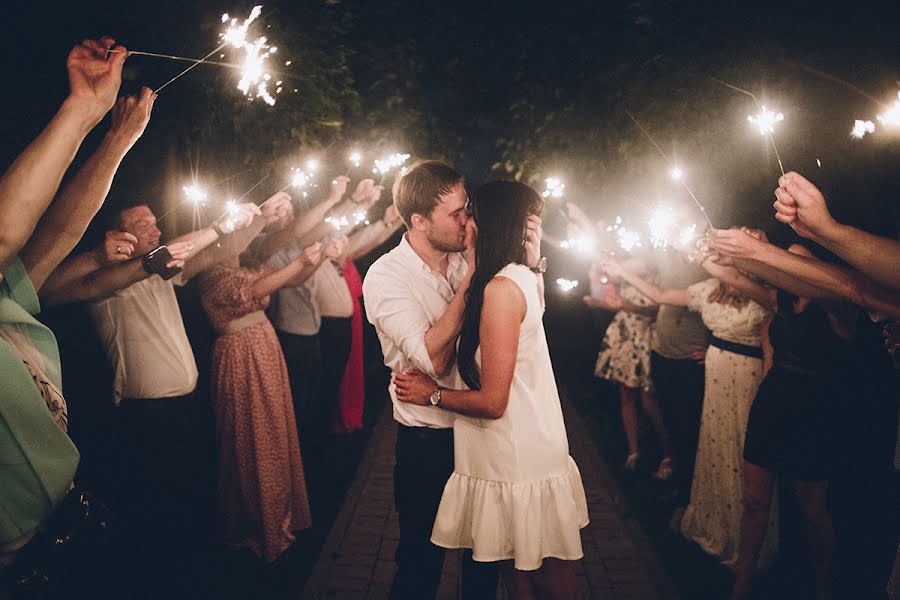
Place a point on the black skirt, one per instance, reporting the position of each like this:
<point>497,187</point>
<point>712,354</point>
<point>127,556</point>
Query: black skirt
<point>793,428</point>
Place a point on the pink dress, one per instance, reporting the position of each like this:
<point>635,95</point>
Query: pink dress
<point>262,491</point>
<point>351,402</point>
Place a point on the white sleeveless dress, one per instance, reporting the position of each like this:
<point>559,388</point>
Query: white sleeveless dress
<point>515,492</point>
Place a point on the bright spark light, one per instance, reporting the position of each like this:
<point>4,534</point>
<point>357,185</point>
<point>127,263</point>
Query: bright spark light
<point>583,244</point>
<point>555,188</point>
<point>355,158</point>
<point>312,165</point>
<point>384,165</point>
<point>195,193</point>
<point>300,179</point>
<point>231,211</point>
<point>360,217</point>
<point>254,74</point>
<point>687,236</point>
<point>765,120</point>
<point>566,285</point>
<point>660,226</point>
<point>891,117</point>
<point>676,173</point>
<point>339,223</point>
<point>861,128</point>
<point>628,240</point>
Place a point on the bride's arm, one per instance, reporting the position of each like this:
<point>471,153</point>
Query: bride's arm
<point>501,319</point>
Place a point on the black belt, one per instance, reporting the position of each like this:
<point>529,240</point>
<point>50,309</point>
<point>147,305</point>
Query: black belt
<point>424,433</point>
<point>736,348</point>
<point>159,402</point>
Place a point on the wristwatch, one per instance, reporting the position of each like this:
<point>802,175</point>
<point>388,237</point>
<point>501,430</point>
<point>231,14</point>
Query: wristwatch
<point>541,265</point>
<point>436,397</point>
<point>218,229</point>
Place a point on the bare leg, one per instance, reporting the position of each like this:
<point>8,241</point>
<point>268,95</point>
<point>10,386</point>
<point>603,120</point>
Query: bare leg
<point>518,584</point>
<point>811,497</point>
<point>758,483</point>
<point>628,398</point>
<point>648,403</point>
<point>555,580</point>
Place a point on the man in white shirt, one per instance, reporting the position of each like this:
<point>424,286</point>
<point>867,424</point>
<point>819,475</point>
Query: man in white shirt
<point>415,297</point>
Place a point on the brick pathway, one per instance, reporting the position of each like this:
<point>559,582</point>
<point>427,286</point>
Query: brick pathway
<point>357,559</point>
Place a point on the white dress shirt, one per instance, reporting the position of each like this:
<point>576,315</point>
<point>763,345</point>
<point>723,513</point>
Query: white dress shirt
<point>403,299</point>
<point>143,333</point>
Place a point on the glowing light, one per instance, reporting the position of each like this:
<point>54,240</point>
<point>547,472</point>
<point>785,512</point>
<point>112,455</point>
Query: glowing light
<point>891,117</point>
<point>360,217</point>
<point>627,239</point>
<point>254,74</point>
<point>195,193</point>
<point>819,162</point>
<point>660,226</point>
<point>861,128</point>
<point>687,236</point>
<point>385,165</point>
<point>583,244</point>
<point>676,173</point>
<point>765,120</point>
<point>312,165</point>
<point>554,188</point>
<point>355,158</point>
<point>339,223</point>
<point>566,285</point>
<point>300,178</point>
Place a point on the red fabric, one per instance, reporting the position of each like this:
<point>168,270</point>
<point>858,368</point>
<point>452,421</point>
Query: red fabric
<point>351,398</point>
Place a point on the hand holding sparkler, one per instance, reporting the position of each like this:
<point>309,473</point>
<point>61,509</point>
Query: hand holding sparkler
<point>311,255</point>
<point>117,246</point>
<point>95,75</point>
<point>336,247</point>
<point>338,188</point>
<point>237,216</point>
<point>735,243</point>
<point>801,205</point>
<point>130,117</point>
<point>275,207</point>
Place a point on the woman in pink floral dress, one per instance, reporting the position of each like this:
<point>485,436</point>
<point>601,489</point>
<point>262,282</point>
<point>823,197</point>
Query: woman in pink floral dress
<point>262,490</point>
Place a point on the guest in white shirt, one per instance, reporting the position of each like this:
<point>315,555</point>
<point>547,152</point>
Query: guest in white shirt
<point>415,297</point>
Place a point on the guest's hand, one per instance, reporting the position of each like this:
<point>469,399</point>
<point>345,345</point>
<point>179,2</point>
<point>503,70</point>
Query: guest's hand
<point>367,193</point>
<point>95,75</point>
<point>311,255</point>
<point>336,247</point>
<point>612,268</point>
<point>338,188</point>
<point>533,241</point>
<point>698,355</point>
<point>117,246</point>
<point>391,214</point>
<point>181,252</point>
<point>414,387</point>
<point>275,207</point>
<point>242,215</point>
<point>130,117</point>
<point>735,243</point>
<point>801,205</point>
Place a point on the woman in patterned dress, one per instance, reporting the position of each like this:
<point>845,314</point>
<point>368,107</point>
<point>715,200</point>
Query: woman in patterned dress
<point>735,309</point>
<point>624,359</point>
<point>262,490</point>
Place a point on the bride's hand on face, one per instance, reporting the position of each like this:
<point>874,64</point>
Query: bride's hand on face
<point>471,237</point>
<point>533,236</point>
<point>414,387</point>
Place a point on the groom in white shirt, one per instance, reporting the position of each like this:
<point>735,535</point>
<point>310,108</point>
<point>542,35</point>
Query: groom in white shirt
<point>414,296</point>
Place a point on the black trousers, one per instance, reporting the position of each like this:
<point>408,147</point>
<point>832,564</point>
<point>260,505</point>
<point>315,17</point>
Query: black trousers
<point>335,336</point>
<point>424,463</point>
<point>679,391</point>
<point>303,357</point>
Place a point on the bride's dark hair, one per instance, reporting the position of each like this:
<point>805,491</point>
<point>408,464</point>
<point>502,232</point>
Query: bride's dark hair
<point>500,210</point>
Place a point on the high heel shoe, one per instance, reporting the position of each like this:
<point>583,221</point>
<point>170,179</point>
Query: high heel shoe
<point>664,471</point>
<point>631,461</point>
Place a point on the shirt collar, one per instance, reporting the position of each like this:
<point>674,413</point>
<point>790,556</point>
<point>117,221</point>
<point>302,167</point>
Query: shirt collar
<point>409,255</point>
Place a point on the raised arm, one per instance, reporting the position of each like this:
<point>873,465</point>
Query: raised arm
<point>293,274</point>
<point>729,275</point>
<point>63,225</point>
<point>823,280</point>
<point>501,319</point>
<point>802,206</point>
<point>675,297</point>
<point>30,183</point>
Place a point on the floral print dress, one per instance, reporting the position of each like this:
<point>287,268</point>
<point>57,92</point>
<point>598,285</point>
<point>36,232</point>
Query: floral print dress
<point>625,355</point>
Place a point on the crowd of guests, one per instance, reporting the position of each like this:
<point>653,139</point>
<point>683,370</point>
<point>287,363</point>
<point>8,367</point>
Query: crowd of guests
<point>755,363</point>
<point>745,357</point>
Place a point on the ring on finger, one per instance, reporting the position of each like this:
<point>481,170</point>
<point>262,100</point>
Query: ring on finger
<point>118,249</point>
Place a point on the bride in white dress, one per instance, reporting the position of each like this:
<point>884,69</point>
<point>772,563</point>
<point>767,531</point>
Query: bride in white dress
<point>515,495</point>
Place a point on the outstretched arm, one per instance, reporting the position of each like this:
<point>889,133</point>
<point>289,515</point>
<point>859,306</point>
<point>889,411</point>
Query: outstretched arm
<point>729,275</point>
<point>501,319</point>
<point>675,297</point>
<point>30,183</point>
<point>802,206</point>
<point>64,223</point>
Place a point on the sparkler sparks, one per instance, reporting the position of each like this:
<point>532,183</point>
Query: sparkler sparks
<point>339,223</point>
<point>355,158</point>
<point>360,217</point>
<point>687,236</point>
<point>861,128</point>
<point>660,226</point>
<point>554,188</point>
<point>765,120</point>
<point>891,117</point>
<point>385,165</point>
<point>628,240</point>
<point>676,173</point>
<point>583,244</point>
<point>566,285</point>
<point>254,75</point>
<point>195,193</point>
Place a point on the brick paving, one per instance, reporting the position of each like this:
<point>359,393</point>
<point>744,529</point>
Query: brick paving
<point>357,559</point>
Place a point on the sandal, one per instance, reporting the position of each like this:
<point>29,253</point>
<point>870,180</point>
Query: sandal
<point>664,471</point>
<point>631,461</point>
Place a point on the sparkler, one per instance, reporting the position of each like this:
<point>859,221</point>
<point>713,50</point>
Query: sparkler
<point>687,236</point>
<point>583,244</point>
<point>765,120</point>
<point>360,217</point>
<point>891,117</point>
<point>628,240</point>
<point>675,171</point>
<point>355,158</point>
<point>339,223</point>
<point>566,285</point>
<point>861,128</point>
<point>384,165</point>
<point>195,194</point>
<point>660,225</point>
<point>253,73</point>
<point>555,188</point>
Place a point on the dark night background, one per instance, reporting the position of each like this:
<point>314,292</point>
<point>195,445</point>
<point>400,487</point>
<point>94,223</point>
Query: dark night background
<point>500,89</point>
